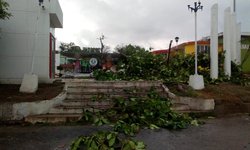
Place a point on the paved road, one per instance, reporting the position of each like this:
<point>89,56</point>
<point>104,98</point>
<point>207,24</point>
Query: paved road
<point>228,133</point>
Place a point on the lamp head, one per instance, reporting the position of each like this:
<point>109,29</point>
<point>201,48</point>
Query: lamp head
<point>189,7</point>
<point>40,2</point>
<point>177,39</point>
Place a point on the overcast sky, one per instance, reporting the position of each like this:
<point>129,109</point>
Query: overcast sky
<point>148,23</point>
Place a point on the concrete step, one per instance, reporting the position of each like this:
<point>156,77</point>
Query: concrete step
<point>114,84</point>
<point>75,109</point>
<point>198,113</point>
<point>95,96</point>
<point>79,96</point>
<point>180,107</point>
<point>53,118</point>
<point>110,90</point>
<point>185,109</point>
<point>99,96</point>
<point>245,99</point>
<point>246,107</point>
<point>75,102</point>
<point>196,103</point>
<point>85,103</point>
<point>66,110</point>
<point>78,106</point>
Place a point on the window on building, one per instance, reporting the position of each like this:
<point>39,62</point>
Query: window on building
<point>203,49</point>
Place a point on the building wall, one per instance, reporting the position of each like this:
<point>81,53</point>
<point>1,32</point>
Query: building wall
<point>189,49</point>
<point>25,34</point>
<point>245,51</point>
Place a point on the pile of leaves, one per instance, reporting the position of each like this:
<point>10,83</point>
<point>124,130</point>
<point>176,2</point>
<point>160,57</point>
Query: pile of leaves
<point>106,141</point>
<point>140,64</point>
<point>128,116</point>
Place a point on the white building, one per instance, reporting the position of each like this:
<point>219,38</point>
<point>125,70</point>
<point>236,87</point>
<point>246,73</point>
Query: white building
<point>27,40</point>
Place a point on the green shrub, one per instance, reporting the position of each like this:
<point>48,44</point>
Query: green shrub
<point>139,64</point>
<point>105,75</point>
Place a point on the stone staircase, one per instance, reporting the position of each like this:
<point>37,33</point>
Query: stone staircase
<point>97,95</point>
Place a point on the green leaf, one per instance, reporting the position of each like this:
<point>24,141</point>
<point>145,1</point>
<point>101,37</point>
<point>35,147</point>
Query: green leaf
<point>132,144</point>
<point>109,136</point>
<point>133,99</point>
<point>194,123</point>
<point>153,127</point>
<point>105,121</point>
<point>75,145</point>
<point>112,141</point>
<point>140,146</point>
<point>94,145</point>
<point>126,146</point>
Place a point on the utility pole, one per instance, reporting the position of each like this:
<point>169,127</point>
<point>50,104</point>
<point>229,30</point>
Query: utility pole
<point>102,48</point>
<point>101,41</point>
<point>169,50</point>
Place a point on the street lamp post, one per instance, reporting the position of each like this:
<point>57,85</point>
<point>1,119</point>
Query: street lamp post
<point>234,5</point>
<point>196,7</point>
<point>196,81</point>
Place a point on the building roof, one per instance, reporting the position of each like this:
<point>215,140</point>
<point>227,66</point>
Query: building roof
<point>221,34</point>
<point>162,51</point>
<point>201,42</point>
<point>245,33</point>
<point>180,46</point>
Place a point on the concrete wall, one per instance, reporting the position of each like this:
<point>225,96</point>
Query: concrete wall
<point>19,41</point>
<point>21,110</point>
<point>18,111</point>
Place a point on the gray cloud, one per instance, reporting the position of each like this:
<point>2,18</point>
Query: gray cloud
<point>142,22</point>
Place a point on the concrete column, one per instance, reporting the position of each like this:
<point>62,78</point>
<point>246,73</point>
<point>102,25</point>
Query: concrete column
<point>238,39</point>
<point>214,43</point>
<point>233,39</point>
<point>226,42</point>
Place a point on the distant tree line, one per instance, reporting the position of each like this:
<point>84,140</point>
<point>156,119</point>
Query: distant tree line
<point>72,48</point>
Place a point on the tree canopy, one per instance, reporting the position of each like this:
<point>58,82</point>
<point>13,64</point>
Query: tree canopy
<point>72,48</point>
<point>66,46</point>
<point>4,7</point>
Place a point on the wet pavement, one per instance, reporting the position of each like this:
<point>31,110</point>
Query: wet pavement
<point>227,133</point>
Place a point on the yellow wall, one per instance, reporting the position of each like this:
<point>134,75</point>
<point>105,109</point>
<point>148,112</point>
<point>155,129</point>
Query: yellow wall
<point>220,48</point>
<point>189,49</point>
